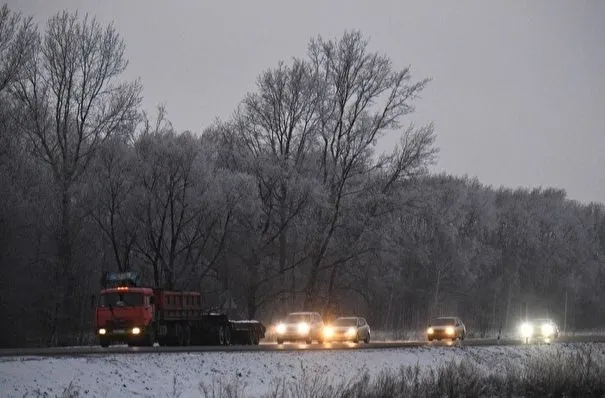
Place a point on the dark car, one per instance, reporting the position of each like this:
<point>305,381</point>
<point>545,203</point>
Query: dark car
<point>350,328</point>
<point>446,328</point>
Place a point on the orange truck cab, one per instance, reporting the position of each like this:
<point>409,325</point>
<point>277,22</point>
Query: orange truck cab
<point>124,312</point>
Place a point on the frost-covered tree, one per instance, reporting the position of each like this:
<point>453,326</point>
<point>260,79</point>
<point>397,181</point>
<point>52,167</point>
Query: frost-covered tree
<point>18,38</point>
<point>73,101</point>
<point>363,98</point>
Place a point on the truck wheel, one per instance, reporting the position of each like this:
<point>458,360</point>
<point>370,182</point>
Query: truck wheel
<point>227,335</point>
<point>177,338</point>
<point>253,338</point>
<point>280,341</point>
<point>220,335</point>
<point>104,343</point>
<point>172,337</point>
<point>150,338</point>
<point>184,336</point>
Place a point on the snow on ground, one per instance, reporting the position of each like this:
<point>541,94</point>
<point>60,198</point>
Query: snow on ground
<point>254,373</point>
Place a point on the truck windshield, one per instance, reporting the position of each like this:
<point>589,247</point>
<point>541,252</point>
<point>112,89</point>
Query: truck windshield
<point>121,299</point>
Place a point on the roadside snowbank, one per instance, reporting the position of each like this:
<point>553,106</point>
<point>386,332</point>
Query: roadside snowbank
<point>252,373</point>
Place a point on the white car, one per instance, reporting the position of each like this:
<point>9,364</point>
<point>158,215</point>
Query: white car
<point>446,328</point>
<point>349,328</point>
<point>539,330</point>
<point>300,326</point>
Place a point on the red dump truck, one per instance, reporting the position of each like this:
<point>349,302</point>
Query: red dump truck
<point>128,313</point>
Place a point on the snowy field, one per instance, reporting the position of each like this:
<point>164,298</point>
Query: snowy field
<point>252,374</point>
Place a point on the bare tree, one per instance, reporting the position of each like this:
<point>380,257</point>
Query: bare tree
<point>18,37</point>
<point>115,199</point>
<point>363,98</point>
<point>274,129</point>
<point>308,135</point>
<point>165,167</point>
<point>184,208</point>
<point>74,102</point>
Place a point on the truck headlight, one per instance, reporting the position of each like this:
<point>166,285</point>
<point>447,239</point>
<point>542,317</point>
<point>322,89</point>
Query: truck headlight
<point>351,332</point>
<point>547,330</point>
<point>303,328</point>
<point>430,331</point>
<point>102,331</point>
<point>449,331</point>
<point>136,330</point>
<point>328,332</point>
<point>526,330</point>
<point>280,328</point>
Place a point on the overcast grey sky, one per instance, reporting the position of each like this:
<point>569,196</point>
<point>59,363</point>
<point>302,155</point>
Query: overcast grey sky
<point>518,96</point>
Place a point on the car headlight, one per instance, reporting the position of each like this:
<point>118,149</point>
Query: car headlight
<point>449,331</point>
<point>102,331</point>
<point>526,329</point>
<point>547,330</point>
<point>303,328</point>
<point>328,332</point>
<point>136,330</point>
<point>430,331</point>
<point>351,332</point>
<point>280,328</point>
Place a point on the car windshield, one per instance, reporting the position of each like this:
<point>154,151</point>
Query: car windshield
<point>121,299</point>
<point>542,320</point>
<point>295,318</point>
<point>444,322</point>
<point>345,322</point>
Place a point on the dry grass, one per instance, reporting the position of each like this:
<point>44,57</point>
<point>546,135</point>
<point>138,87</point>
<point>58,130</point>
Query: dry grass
<point>578,373</point>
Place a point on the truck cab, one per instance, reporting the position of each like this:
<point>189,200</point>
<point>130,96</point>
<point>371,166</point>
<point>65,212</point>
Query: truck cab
<point>125,314</point>
<point>124,311</point>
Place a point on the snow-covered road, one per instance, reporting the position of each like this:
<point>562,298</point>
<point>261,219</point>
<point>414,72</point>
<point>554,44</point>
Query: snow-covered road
<point>253,373</point>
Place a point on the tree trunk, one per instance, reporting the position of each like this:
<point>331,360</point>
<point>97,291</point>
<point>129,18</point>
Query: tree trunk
<point>251,304</point>
<point>493,320</point>
<point>387,320</point>
<point>332,283</point>
<point>508,301</point>
<point>292,287</point>
<point>436,294</point>
<point>310,289</point>
<point>283,246</point>
<point>66,275</point>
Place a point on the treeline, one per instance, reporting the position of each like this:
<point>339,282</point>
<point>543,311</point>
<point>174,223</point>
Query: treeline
<point>282,207</point>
